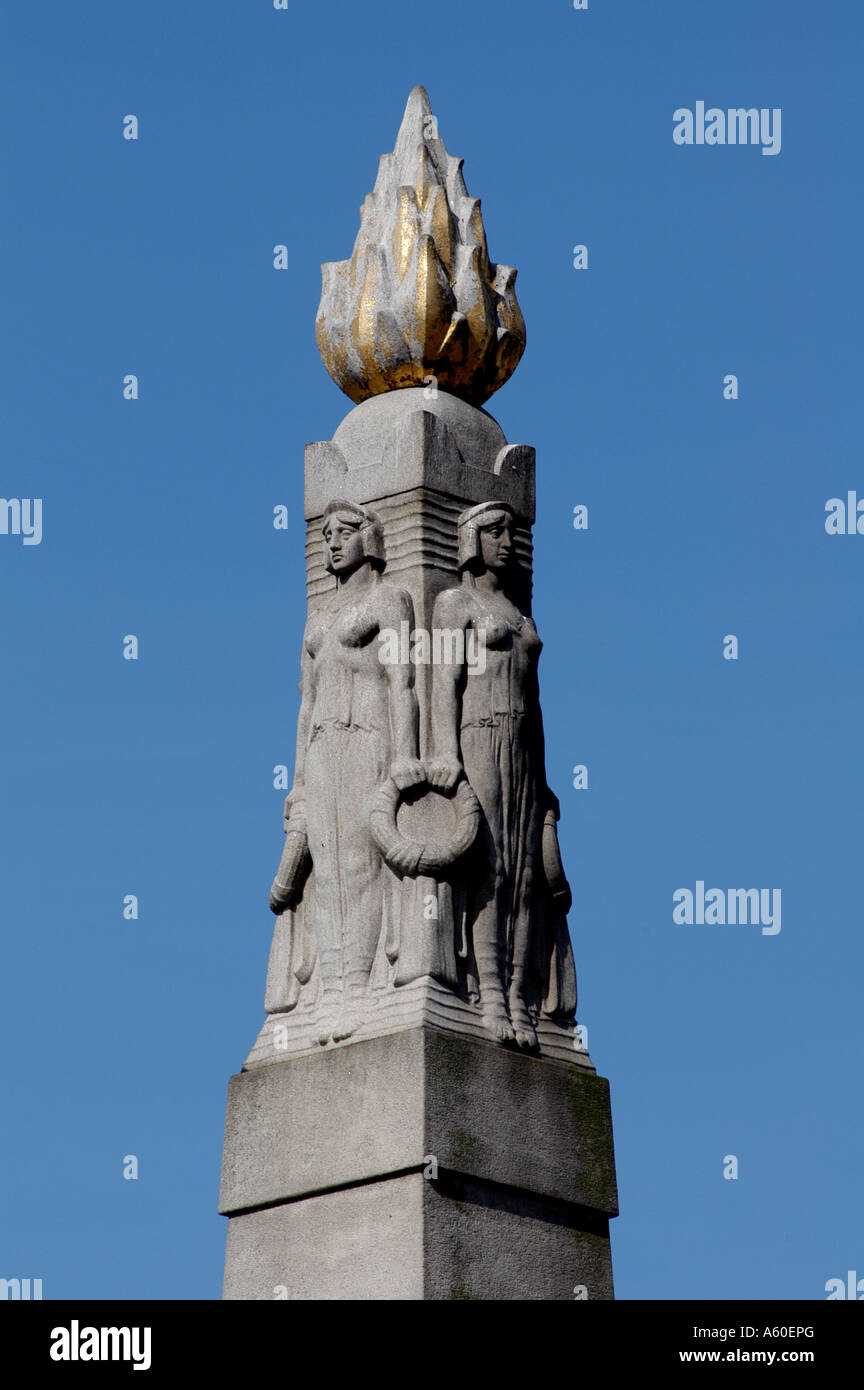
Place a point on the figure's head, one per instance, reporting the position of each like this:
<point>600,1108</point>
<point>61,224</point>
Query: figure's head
<point>486,537</point>
<point>352,535</point>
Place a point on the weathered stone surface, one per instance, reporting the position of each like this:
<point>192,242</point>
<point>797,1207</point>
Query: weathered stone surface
<point>327,1153</point>
<point>379,1107</point>
<point>423,1001</point>
<point>356,1243</point>
<point>473,433</point>
<point>410,439</point>
<point>410,1239</point>
<point>484,1242</point>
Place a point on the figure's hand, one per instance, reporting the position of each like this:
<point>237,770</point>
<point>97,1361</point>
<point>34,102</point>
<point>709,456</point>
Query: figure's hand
<point>553,868</point>
<point>287,887</point>
<point>282,896</point>
<point>563,899</point>
<point>552,802</point>
<point>406,857</point>
<point>443,772</point>
<point>295,821</point>
<point>408,772</point>
<point>294,814</point>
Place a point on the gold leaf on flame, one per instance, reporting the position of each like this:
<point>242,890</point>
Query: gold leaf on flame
<point>405,229</point>
<point>419,292</point>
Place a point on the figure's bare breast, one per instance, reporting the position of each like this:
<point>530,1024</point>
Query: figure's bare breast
<point>350,681</point>
<point>510,647</point>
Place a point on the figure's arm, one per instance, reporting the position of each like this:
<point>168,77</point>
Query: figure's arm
<point>552,865</point>
<point>445,764</point>
<point>296,798</point>
<point>405,766</point>
<point>535,729</point>
<point>287,886</point>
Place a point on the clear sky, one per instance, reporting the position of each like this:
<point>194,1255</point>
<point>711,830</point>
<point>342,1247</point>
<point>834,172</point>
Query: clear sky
<point>706,519</point>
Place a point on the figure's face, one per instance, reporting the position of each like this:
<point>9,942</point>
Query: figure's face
<point>344,543</point>
<point>496,542</point>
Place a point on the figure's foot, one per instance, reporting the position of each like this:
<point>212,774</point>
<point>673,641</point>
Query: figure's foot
<point>328,1018</point>
<point>523,1028</point>
<point>352,1017</point>
<point>495,1020</point>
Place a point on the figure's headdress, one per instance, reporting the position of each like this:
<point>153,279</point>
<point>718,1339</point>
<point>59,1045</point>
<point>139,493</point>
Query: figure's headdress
<point>370,527</point>
<point>471,523</point>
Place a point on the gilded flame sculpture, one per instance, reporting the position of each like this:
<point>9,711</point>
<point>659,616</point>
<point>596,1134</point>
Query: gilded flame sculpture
<point>419,296</point>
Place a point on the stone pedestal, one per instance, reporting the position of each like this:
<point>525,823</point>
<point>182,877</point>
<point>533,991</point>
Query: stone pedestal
<point>418,1165</point>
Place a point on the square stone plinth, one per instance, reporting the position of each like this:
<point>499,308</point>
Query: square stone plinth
<point>420,1165</point>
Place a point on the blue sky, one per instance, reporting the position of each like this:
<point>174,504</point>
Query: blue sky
<point>706,518</point>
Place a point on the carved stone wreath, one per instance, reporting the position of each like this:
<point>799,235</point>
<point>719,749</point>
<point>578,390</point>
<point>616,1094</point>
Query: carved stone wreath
<point>402,848</point>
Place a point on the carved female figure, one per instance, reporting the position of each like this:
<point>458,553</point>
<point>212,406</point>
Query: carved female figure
<point>486,723</point>
<point>358,725</point>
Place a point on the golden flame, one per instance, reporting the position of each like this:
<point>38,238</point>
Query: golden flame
<point>419,297</point>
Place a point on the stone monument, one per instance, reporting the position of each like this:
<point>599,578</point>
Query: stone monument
<point>418,1118</point>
